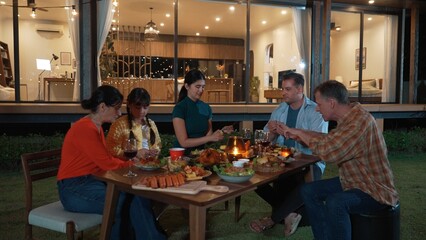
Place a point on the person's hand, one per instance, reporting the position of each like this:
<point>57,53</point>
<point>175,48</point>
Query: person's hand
<point>144,153</point>
<point>216,136</point>
<point>282,129</point>
<point>272,126</point>
<point>291,133</point>
<point>228,129</point>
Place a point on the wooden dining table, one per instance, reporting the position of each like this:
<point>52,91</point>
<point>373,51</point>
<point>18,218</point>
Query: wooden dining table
<point>196,204</point>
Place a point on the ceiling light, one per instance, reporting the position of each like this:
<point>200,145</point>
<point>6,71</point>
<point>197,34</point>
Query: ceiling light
<point>206,27</point>
<point>369,18</point>
<point>198,34</point>
<point>115,3</point>
<point>151,31</point>
<point>73,12</point>
<point>168,15</point>
<point>113,10</point>
<point>334,27</point>
<point>2,2</point>
<point>162,24</point>
<point>33,13</point>
<point>232,8</point>
<point>217,19</point>
<point>371,1</point>
<point>283,12</point>
<point>264,22</point>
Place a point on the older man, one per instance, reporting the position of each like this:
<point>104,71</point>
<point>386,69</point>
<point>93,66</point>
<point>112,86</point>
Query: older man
<point>356,145</point>
<point>296,111</point>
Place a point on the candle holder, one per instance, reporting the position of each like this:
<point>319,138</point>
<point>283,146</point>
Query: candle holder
<point>235,148</point>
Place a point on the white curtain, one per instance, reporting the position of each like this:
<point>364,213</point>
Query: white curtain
<point>302,29</point>
<point>389,81</point>
<point>74,35</point>
<point>105,16</point>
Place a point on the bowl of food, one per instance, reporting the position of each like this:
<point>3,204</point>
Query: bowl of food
<point>176,153</point>
<point>229,173</point>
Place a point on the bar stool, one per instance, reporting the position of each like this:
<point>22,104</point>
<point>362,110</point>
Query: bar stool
<point>217,94</point>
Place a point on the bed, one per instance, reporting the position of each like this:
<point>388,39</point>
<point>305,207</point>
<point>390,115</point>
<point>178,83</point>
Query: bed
<point>7,93</point>
<point>371,91</point>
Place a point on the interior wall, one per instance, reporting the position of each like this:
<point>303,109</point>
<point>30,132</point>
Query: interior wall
<point>286,54</point>
<point>33,45</point>
<point>342,53</point>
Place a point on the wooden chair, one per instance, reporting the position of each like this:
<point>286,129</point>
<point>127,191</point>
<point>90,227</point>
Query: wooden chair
<point>42,165</point>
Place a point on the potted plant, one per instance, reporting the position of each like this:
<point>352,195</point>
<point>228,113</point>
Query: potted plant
<point>106,61</point>
<point>254,89</point>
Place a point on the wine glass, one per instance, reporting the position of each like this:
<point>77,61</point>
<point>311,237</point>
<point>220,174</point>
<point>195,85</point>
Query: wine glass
<point>130,147</point>
<point>246,134</point>
<point>258,136</point>
<point>265,141</point>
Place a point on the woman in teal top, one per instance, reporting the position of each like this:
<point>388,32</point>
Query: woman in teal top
<point>192,118</point>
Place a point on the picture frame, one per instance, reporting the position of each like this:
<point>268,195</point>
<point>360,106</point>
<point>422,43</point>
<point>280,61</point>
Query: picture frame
<point>364,58</point>
<point>65,58</point>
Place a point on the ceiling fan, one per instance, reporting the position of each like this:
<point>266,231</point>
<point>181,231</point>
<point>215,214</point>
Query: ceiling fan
<point>32,4</point>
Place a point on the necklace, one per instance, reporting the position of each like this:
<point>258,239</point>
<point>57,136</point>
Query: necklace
<point>95,120</point>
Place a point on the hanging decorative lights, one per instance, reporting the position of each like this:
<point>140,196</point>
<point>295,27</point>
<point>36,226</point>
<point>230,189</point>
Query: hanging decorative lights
<point>151,31</point>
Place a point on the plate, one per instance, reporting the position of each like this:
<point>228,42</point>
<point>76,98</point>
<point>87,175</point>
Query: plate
<point>286,160</point>
<point>206,174</point>
<point>148,167</point>
<point>235,179</point>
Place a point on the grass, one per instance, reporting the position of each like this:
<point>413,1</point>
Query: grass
<point>409,172</point>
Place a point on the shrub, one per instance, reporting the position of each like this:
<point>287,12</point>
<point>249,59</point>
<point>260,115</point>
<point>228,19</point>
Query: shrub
<point>13,146</point>
<point>406,141</point>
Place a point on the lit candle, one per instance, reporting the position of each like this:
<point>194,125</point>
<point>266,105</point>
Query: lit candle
<point>235,151</point>
<point>285,152</point>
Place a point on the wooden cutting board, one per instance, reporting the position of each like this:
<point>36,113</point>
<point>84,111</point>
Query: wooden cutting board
<point>192,188</point>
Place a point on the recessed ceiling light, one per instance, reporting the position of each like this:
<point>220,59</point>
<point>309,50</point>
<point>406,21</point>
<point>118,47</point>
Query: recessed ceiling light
<point>232,8</point>
<point>162,24</point>
<point>264,22</point>
<point>283,12</point>
<point>217,19</point>
<point>371,1</point>
<point>2,2</point>
<point>369,18</point>
<point>114,21</point>
<point>167,14</point>
<point>206,27</point>
<point>198,34</point>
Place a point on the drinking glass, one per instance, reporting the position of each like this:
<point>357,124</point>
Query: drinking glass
<point>246,134</point>
<point>130,147</point>
<point>265,141</point>
<point>258,136</point>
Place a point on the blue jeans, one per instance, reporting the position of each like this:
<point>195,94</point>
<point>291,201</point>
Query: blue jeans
<point>284,194</point>
<point>329,208</point>
<point>86,194</point>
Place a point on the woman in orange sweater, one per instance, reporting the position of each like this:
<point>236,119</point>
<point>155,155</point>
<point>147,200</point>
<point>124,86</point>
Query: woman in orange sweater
<point>84,153</point>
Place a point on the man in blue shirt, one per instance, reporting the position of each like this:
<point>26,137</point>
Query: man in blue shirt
<point>296,111</point>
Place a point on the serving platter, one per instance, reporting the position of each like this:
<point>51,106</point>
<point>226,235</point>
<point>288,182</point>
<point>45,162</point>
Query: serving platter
<point>192,188</point>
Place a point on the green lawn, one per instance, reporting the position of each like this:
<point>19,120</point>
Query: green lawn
<point>409,173</point>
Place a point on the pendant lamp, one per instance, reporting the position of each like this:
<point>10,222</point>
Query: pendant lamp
<point>151,31</point>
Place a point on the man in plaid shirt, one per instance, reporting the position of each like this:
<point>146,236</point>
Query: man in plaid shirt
<point>356,145</point>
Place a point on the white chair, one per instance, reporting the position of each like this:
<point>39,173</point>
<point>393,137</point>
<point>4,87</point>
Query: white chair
<point>53,216</point>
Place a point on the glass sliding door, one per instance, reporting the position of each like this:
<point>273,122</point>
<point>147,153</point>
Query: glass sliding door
<point>43,38</point>
<point>279,44</point>
<point>368,73</point>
